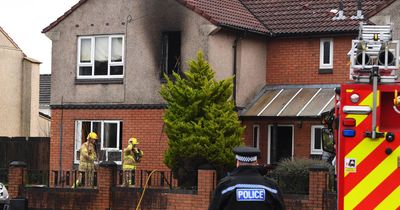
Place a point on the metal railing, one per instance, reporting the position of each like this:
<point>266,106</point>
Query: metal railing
<point>138,178</point>
<point>36,177</point>
<point>73,179</point>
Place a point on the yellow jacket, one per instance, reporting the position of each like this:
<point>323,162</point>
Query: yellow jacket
<point>129,162</point>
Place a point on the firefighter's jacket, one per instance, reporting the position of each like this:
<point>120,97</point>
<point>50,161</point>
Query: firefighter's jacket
<point>246,188</point>
<point>87,157</point>
<point>132,156</point>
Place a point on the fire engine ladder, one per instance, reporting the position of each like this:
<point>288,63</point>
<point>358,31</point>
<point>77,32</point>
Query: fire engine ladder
<point>373,41</point>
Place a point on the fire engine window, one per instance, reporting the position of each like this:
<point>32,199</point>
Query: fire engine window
<point>326,54</point>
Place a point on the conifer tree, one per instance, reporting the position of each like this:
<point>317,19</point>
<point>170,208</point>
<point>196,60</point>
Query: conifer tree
<point>200,122</point>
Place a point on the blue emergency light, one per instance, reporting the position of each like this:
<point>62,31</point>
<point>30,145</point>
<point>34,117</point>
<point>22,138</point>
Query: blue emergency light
<point>349,133</point>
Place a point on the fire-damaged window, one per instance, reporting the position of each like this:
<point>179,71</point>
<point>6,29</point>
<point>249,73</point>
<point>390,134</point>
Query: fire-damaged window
<point>100,57</point>
<point>109,144</point>
<point>171,53</point>
<point>316,140</point>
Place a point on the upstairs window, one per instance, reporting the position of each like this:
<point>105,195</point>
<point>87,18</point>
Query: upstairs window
<point>100,57</point>
<point>326,54</point>
<point>171,53</point>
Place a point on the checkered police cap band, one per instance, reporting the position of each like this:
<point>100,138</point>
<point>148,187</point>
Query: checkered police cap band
<point>246,159</point>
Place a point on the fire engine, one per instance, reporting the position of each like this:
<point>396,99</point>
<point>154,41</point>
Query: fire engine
<point>364,125</point>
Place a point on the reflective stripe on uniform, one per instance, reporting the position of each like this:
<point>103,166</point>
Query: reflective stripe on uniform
<point>249,186</point>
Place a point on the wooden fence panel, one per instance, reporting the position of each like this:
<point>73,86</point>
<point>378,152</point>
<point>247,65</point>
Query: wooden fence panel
<point>34,151</point>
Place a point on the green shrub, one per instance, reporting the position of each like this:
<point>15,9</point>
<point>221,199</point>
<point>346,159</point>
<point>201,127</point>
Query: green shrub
<point>292,176</point>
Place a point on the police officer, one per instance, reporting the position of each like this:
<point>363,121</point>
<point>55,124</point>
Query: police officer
<point>245,187</point>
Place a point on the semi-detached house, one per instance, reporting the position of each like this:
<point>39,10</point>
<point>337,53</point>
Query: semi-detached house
<point>108,58</point>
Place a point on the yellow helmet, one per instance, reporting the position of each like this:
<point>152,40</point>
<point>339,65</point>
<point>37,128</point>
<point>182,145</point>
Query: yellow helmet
<point>133,140</point>
<point>92,135</point>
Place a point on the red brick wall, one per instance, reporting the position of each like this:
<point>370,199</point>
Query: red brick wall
<point>144,124</point>
<point>296,61</point>
<point>302,135</point>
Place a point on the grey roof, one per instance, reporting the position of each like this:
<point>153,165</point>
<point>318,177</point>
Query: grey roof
<point>44,90</point>
<point>292,101</point>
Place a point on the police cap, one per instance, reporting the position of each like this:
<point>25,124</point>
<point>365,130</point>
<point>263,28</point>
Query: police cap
<point>246,154</point>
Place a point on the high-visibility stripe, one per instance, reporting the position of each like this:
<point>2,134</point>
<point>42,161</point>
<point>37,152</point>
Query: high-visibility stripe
<point>381,192</point>
<point>350,145</point>
<point>368,164</point>
<point>370,182</point>
<point>391,202</point>
<point>363,149</point>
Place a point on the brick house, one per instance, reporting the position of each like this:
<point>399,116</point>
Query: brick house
<point>310,46</point>
<point>107,67</point>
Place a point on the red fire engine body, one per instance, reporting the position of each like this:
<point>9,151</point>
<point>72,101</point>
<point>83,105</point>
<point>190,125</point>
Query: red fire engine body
<point>368,135</point>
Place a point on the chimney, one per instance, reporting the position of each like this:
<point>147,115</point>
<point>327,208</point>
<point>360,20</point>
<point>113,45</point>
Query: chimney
<point>340,15</point>
<point>359,11</point>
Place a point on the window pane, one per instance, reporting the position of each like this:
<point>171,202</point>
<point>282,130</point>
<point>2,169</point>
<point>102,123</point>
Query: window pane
<point>85,50</point>
<point>116,49</point>
<point>327,51</point>
<point>255,136</point>
<point>110,135</point>
<point>101,56</point>
<point>85,70</point>
<point>116,70</point>
<point>85,130</point>
<point>317,138</point>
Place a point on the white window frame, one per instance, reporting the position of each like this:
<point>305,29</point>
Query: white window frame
<point>78,134</point>
<point>269,140</point>
<point>322,65</point>
<point>315,151</point>
<point>92,51</point>
<point>256,126</point>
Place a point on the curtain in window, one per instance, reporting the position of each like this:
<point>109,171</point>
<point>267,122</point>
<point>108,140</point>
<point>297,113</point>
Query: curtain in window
<point>85,50</point>
<point>116,49</point>
<point>101,56</point>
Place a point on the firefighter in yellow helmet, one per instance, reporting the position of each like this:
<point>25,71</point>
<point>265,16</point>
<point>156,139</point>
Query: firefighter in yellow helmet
<point>132,156</point>
<point>86,160</point>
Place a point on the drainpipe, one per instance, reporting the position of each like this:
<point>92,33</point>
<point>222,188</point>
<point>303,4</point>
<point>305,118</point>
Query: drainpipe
<point>234,46</point>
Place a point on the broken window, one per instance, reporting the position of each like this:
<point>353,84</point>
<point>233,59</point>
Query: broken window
<point>171,53</point>
<point>109,144</point>
<point>100,56</point>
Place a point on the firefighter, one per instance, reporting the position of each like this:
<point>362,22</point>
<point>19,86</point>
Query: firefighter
<point>132,156</point>
<point>245,187</point>
<point>87,160</point>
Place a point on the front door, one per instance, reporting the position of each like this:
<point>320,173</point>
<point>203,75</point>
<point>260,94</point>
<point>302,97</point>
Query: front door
<point>280,143</point>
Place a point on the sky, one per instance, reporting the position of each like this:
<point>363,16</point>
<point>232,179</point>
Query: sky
<point>24,20</point>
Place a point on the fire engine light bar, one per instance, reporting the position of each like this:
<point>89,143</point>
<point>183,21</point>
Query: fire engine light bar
<point>349,133</point>
<point>356,109</point>
<point>349,122</point>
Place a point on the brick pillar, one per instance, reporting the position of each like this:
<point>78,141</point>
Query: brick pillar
<point>318,184</point>
<point>106,178</point>
<point>207,180</point>
<point>16,174</point>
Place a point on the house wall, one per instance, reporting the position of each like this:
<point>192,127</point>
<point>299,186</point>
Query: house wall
<point>389,15</point>
<point>10,86</point>
<point>302,135</point>
<point>145,124</point>
<point>30,98</point>
<point>296,61</point>
<point>250,58</point>
<point>143,50</point>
